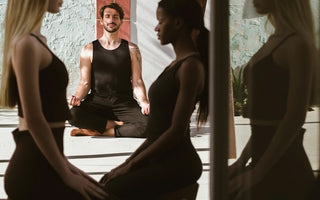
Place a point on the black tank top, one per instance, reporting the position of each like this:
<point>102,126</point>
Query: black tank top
<point>53,81</point>
<point>268,87</point>
<point>111,71</point>
<point>163,95</point>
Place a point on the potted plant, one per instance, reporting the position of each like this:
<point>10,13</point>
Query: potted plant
<point>240,94</point>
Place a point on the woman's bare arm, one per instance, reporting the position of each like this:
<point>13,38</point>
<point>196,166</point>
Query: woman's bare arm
<point>26,62</point>
<point>298,54</point>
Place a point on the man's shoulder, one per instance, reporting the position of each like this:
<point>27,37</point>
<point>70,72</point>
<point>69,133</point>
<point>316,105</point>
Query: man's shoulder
<point>132,46</point>
<point>88,47</point>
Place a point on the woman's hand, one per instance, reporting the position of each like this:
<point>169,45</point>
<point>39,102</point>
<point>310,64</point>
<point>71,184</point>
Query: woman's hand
<point>78,171</point>
<point>122,169</point>
<point>236,168</point>
<point>239,184</point>
<point>84,184</point>
<point>106,177</point>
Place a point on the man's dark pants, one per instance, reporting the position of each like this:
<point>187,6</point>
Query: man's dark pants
<point>95,111</point>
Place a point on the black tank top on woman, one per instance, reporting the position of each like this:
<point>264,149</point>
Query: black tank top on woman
<point>53,81</point>
<point>163,95</point>
<point>268,88</point>
<point>111,70</point>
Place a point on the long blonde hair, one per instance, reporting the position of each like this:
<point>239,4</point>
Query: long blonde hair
<point>296,16</point>
<point>22,17</point>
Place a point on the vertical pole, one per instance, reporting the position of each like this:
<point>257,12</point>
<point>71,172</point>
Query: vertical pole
<point>219,99</point>
<point>318,80</point>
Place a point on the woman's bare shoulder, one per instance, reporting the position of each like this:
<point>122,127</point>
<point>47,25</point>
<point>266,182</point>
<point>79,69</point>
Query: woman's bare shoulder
<point>296,54</point>
<point>192,69</point>
<point>299,42</point>
<point>25,44</point>
<point>27,51</point>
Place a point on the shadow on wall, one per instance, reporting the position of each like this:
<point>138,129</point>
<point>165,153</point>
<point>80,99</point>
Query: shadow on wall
<point>155,57</point>
<point>133,19</point>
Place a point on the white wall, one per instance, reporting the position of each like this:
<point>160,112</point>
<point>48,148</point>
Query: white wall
<point>74,26</point>
<point>155,57</point>
<point>66,32</point>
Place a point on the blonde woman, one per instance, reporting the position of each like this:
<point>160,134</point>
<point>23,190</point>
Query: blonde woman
<point>35,80</point>
<point>279,78</point>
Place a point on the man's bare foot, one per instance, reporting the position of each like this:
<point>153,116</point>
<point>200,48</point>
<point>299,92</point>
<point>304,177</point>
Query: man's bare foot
<point>83,132</point>
<point>112,124</point>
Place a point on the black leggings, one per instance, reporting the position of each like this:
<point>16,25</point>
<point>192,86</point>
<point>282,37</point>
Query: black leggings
<point>30,176</point>
<point>95,111</point>
<point>176,169</point>
<point>291,177</point>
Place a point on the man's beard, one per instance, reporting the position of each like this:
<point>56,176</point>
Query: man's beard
<point>115,29</point>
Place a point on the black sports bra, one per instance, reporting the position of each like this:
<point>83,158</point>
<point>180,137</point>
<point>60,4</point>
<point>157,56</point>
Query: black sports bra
<point>268,88</point>
<point>53,81</point>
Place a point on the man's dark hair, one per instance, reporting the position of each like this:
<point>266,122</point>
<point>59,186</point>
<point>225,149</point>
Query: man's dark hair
<point>113,6</point>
